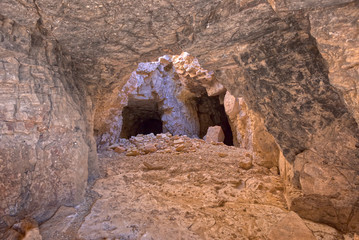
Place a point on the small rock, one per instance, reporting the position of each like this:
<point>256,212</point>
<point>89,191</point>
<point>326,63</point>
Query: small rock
<point>178,141</point>
<point>222,155</point>
<point>245,163</point>
<point>119,149</point>
<point>161,135</point>
<point>167,150</point>
<point>214,134</point>
<point>180,148</point>
<point>274,170</point>
<point>149,148</point>
<point>133,152</point>
<point>138,139</point>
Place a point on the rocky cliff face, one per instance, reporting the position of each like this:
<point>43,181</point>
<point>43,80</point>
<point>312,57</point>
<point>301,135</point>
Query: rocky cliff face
<point>46,146</point>
<point>294,63</point>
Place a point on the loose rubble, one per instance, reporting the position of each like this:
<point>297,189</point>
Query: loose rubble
<point>160,143</point>
<point>175,187</point>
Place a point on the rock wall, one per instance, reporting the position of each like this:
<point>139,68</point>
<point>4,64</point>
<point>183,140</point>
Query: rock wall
<point>282,76</point>
<point>249,132</point>
<point>338,44</point>
<point>294,62</point>
<point>46,147</point>
<point>158,83</point>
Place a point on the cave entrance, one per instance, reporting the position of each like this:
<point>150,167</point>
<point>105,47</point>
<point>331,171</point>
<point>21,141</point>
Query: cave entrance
<point>211,113</point>
<point>141,117</point>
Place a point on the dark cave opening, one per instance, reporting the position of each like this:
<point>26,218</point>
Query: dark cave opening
<point>211,113</point>
<point>150,126</point>
<point>141,117</point>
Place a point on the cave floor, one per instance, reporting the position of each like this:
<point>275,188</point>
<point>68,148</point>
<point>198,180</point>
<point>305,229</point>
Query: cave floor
<point>198,191</point>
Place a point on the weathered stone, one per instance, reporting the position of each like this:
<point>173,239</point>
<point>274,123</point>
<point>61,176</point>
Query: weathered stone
<point>178,141</point>
<point>180,148</point>
<point>214,134</point>
<point>249,131</point>
<point>119,149</point>
<point>222,154</point>
<point>47,151</point>
<point>162,135</point>
<point>245,163</point>
<point>149,148</point>
<point>290,227</point>
<point>338,43</point>
<point>296,69</point>
<point>133,152</point>
<point>60,223</point>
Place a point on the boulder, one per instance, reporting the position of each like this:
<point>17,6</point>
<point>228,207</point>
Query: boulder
<point>214,134</point>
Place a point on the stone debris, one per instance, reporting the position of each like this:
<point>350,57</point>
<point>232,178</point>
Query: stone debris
<point>214,134</point>
<point>160,143</point>
<point>149,148</point>
<point>222,154</point>
<point>133,152</point>
<point>118,149</point>
<point>245,163</point>
<point>178,141</point>
<point>192,195</point>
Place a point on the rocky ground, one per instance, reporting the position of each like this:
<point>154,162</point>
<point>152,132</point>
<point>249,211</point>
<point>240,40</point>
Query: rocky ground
<point>174,187</point>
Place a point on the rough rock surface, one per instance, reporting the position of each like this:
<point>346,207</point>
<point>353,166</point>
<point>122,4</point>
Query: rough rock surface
<point>214,134</point>
<point>290,227</point>
<point>293,61</point>
<point>338,43</point>
<point>249,131</point>
<point>184,195</point>
<point>45,140</point>
<point>153,91</point>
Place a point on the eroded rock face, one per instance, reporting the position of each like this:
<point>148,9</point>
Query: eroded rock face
<point>249,131</point>
<point>45,140</point>
<point>338,43</point>
<point>175,93</point>
<point>154,92</point>
<point>296,69</point>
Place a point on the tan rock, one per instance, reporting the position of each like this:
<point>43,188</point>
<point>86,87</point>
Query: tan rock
<point>33,234</point>
<point>133,152</point>
<point>47,150</point>
<point>290,227</point>
<point>162,135</point>
<point>119,149</point>
<point>214,134</point>
<point>222,154</point>
<point>180,148</point>
<point>178,141</point>
<point>245,163</point>
<point>250,132</point>
<point>149,148</point>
